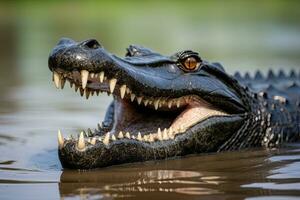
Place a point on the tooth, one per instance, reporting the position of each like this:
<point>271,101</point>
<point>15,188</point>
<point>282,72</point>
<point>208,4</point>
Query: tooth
<point>170,104</point>
<point>57,81</point>
<point>106,138</point>
<point>60,139</point>
<point>127,135</point>
<point>159,135</point>
<point>93,141</point>
<point>92,75</point>
<point>101,77</point>
<point>146,102</point>
<point>165,135</point>
<point>128,91</point>
<point>81,143</point>
<point>120,136</point>
<point>113,137</point>
<point>139,137</point>
<point>81,91</point>
<point>132,96</point>
<point>84,78</point>
<point>139,100</point>
<point>99,126</point>
<point>76,88</point>
<point>133,137</point>
<point>87,93</point>
<point>178,103</point>
<point>156,102</point>
<point>122,91</point>
<point>170,131</point>
<point>145,138</point>
<point>62,82</point>
<point>112,84</point>
<point>151,138</point>
<point>71,84</point>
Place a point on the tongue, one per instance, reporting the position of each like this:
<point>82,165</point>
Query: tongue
<point>193,114</point>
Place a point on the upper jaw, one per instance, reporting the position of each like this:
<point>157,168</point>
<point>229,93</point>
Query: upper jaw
<point>138,76</point>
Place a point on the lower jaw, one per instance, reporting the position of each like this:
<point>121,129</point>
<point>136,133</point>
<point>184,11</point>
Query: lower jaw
<point>201,138</point>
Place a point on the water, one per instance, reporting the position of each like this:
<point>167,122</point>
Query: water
<point>243,36</point>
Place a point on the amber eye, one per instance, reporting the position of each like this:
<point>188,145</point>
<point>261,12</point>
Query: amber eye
<point>191,63</point>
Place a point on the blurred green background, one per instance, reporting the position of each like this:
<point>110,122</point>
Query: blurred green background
<point>243,35</point>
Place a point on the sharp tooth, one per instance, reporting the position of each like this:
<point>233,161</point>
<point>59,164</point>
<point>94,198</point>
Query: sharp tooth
<point>122,91</point>
<point>156,102</point>
<point>127,135</point>
<point>106,138</point>
<point>60,139</point>
<point>178,103</point>
<point>165,135</point>
<point>170,131</point>
<point>132,96</point>
<point>93,141</point>
<point>139,137</point>
<point>71,84</point>
<point>112,84</point>
<point>76,88</point>
<point>81,91</point>
<point>113,137</point>
<point>62,82</point>
<point>159,135</point>
<point>57,80</point>
<point>99,126</point>
<point>170,104</point>
<point>139,100</point>
<point>87,93</point>
<point>101,77</point>
<point>96,75</point>
<point>81,143</point>
<point>120,136</point>
<point>84,78</point>
<point>92,75</point>
<point>151,138</point>
<point>128,91</point>
<point>133,137</point>
<point>146,102</point>
<point>145,138</point>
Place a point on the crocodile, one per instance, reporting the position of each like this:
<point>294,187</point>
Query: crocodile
<point>170,106</point>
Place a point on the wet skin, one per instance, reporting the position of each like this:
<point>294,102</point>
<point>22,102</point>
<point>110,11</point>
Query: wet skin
<point>169,106</point>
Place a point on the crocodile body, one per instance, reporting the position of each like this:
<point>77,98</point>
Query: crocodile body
<point>169,106</point>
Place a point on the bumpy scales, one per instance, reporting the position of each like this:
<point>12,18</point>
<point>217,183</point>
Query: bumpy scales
<point>167,106</point>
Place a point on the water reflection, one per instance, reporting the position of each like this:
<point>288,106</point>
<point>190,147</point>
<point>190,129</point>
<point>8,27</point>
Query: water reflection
<point>135,183</point>
<point>224,176</point>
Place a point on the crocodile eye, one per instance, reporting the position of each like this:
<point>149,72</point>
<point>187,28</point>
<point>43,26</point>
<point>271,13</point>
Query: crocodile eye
<point>191,63</point>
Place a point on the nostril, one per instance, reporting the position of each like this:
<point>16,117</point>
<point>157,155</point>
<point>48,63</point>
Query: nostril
<point>92,44</point>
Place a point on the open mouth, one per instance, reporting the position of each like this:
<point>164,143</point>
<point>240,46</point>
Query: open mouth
<point>134,116</point>
<point>163,106</point>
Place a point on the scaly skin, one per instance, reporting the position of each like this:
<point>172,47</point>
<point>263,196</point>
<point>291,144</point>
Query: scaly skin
<point>197,107</point>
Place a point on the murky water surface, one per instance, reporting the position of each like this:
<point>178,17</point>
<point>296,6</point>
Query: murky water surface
<point>242,37</point>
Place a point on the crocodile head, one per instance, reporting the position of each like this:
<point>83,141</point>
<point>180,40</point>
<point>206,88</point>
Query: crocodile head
<point>163,106</point>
